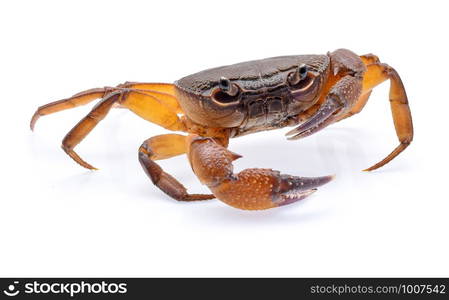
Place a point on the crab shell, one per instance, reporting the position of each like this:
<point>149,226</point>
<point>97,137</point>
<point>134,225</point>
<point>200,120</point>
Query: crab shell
<point>265,96</point>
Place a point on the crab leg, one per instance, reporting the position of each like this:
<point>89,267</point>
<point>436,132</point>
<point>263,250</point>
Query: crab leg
<point>82,98</point>
<point>85,126</point>
<point>160,90</point>
<point>163,147</point>
<point>339,100</point>
<point>156,107</point>
<point>402,118</point>
<point>251,189</point>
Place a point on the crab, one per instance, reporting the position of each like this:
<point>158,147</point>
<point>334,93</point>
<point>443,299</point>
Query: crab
<point>310,92</point>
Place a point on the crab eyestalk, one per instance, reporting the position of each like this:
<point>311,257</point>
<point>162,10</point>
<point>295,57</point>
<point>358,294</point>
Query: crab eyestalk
<point>299,74</point>
<point>226,86</point>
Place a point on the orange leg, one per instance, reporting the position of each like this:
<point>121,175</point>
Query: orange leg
<point>163,147</point>
<point>164,91</point>
<point>251,189</point>
<point>375,75</point>
<point>157,106</point>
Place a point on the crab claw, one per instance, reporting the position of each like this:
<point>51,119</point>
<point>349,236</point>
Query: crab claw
<point>323,117</point>
<point>250,189</point>
<point>255,189</point>
<point>294,188</point>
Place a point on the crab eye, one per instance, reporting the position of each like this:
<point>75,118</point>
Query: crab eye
<point>227,87</point>
<point>224,84</point>
<point>227,92</point>
<point>302,70</point>
<point>298,75</point>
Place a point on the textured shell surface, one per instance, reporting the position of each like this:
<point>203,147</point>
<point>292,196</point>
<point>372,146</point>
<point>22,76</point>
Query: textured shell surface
<point>251,75</point>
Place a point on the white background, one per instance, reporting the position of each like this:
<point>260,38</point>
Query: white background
<point>58,219</point>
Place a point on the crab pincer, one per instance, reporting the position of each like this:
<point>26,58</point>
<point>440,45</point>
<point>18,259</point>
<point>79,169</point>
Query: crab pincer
<point>323,117</point>
<point>250,189</point>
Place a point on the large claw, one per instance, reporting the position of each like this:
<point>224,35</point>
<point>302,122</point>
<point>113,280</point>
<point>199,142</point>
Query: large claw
<point>250,189</point>
<point>255,189</point>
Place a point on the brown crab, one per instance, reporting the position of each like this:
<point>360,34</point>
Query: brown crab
<point>311,91</point>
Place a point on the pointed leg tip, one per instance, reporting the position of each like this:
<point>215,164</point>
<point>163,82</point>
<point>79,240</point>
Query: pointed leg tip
<point>87,166</point>
<point>34,120</point>
<point>78,159</point>
<point>372,168</point>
